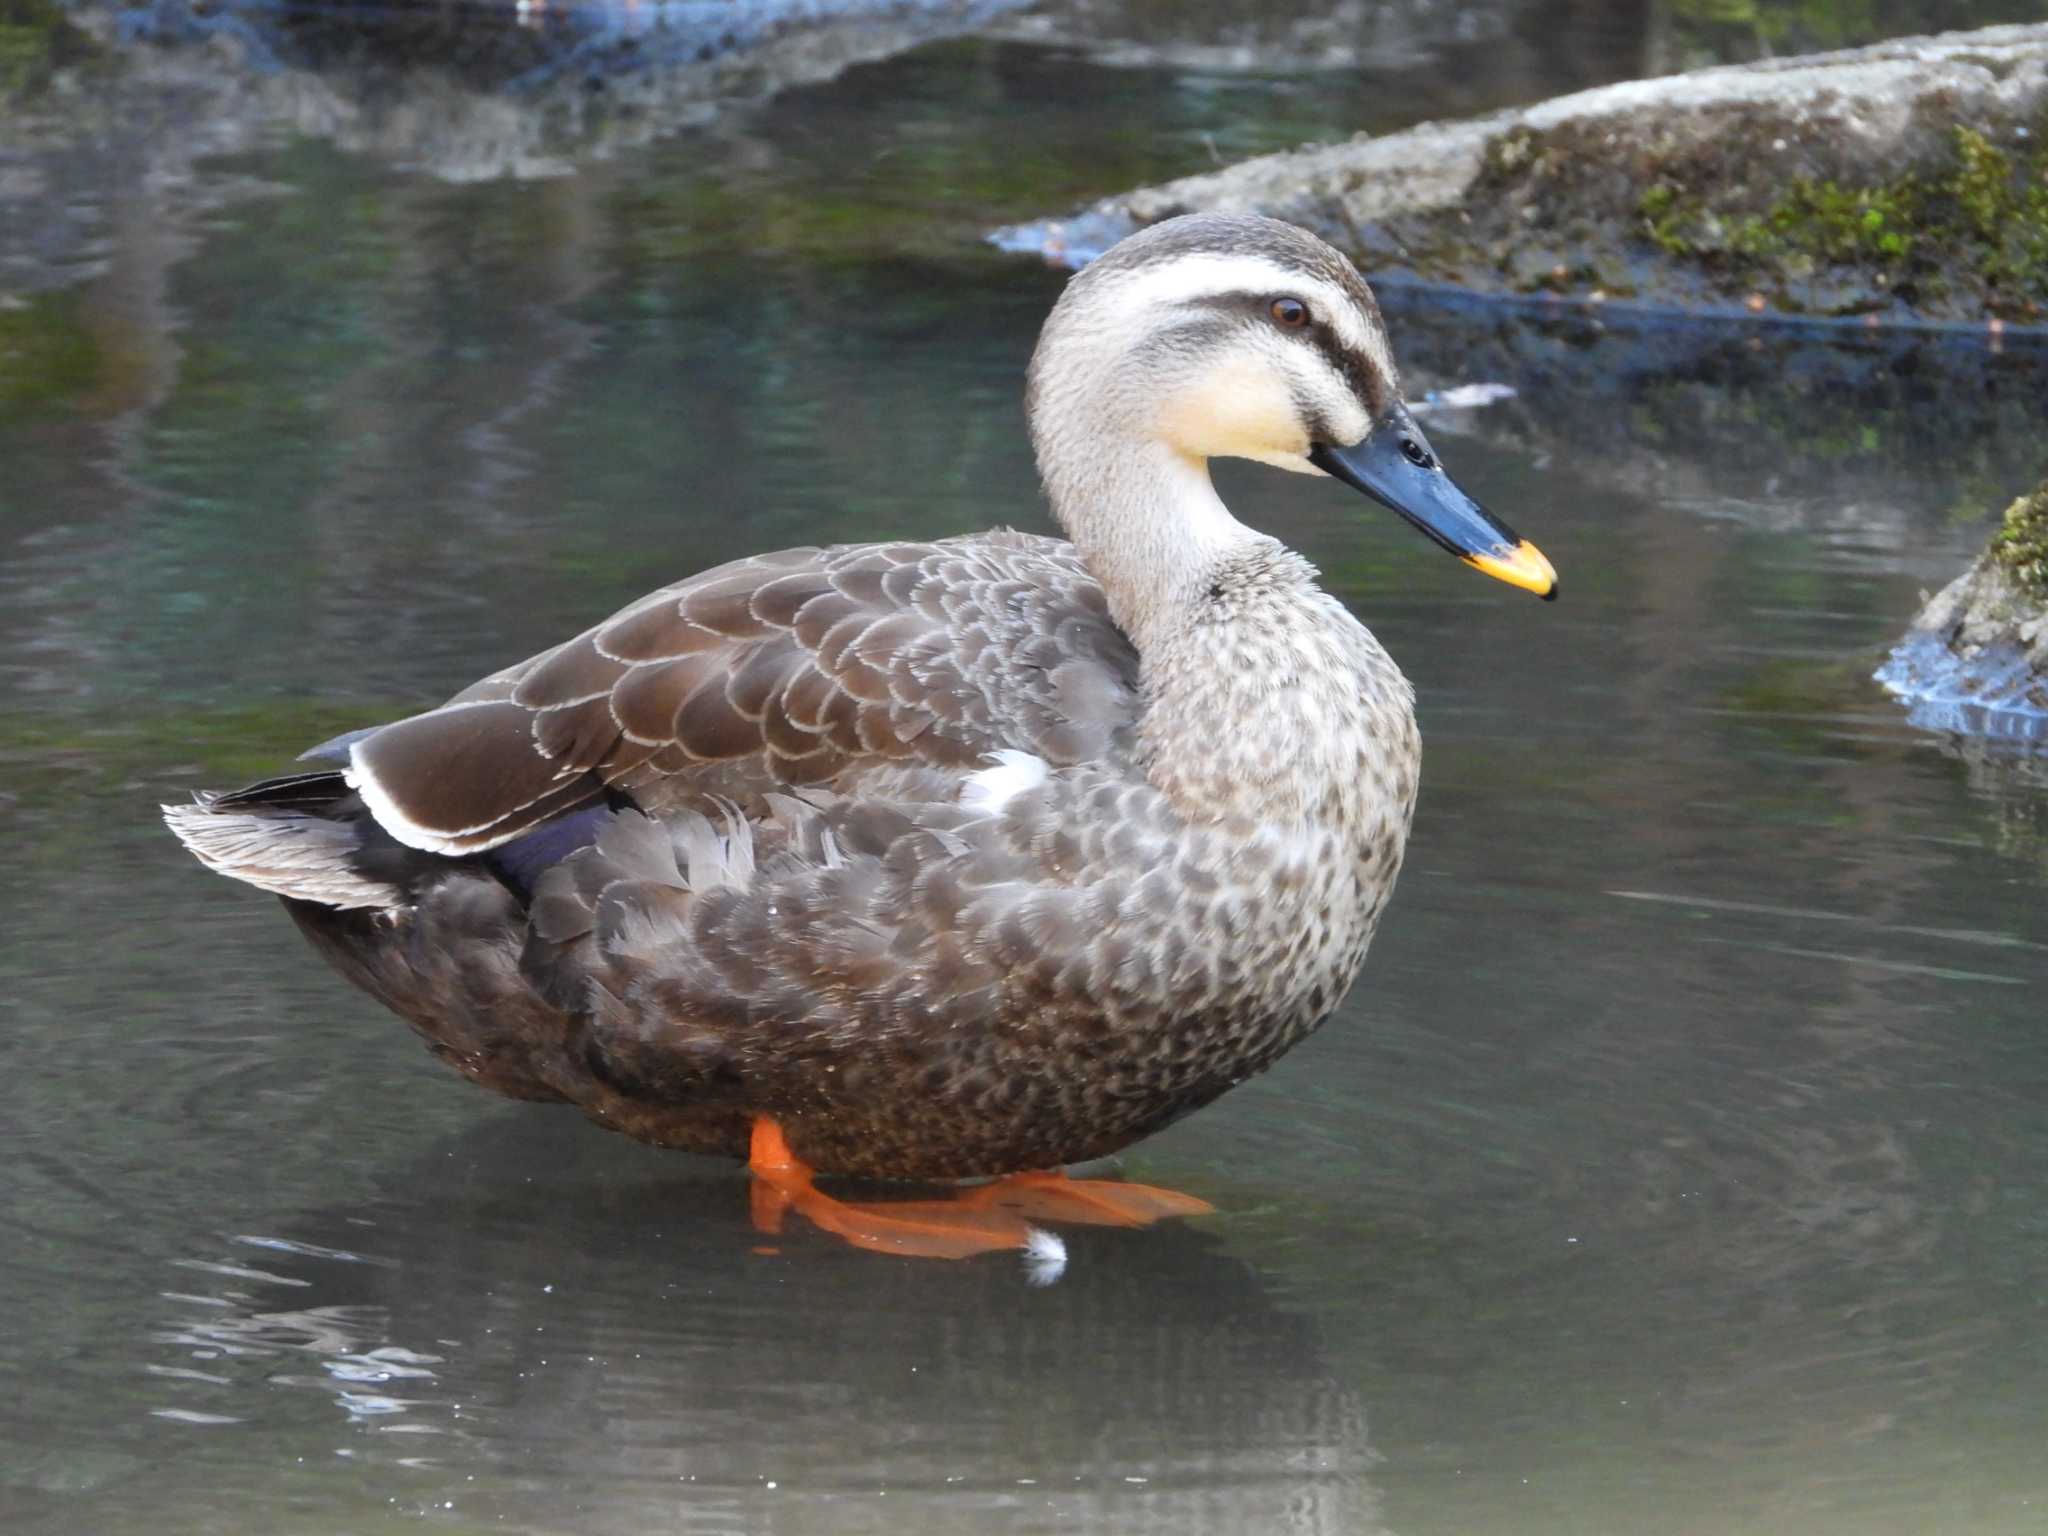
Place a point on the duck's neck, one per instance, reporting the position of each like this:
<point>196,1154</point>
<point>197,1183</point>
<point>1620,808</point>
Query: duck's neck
<point>1151,528</point>
<point>1264,700</point>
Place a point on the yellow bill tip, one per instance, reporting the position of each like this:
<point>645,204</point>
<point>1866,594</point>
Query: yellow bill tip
<point>1523,566</point>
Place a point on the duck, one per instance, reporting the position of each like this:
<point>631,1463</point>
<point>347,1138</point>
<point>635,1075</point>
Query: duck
<point>970,859</point>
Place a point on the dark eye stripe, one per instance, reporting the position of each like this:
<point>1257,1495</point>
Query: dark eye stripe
<point>1355,368</point>
<point>1365,380</point>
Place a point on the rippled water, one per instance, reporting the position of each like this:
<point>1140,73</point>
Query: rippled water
<point>1680,1163</point>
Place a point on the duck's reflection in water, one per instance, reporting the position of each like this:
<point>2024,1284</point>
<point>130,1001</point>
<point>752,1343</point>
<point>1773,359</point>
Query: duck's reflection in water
<point>581,1336</point>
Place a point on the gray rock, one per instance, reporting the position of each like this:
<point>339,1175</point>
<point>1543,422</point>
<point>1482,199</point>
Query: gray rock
<point>1976,659</point>
<point>1901,179</point>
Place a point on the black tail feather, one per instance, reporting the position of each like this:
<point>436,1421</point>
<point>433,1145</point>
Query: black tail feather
<point>317,793</point>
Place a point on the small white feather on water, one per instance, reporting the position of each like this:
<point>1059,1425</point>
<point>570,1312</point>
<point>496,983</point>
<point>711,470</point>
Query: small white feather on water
<point>1045,1256</point>
<point>1462,397</point>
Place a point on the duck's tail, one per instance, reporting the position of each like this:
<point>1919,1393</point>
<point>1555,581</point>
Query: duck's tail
<point>305,837</point>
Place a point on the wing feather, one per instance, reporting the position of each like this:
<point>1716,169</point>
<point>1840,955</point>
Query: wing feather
<point>567,674</point>
<point>793,668</point>
<point>648,699</point>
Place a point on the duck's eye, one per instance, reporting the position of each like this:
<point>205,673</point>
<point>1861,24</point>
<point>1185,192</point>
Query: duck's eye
<point>1291,313</point>
<point>1416,453</point>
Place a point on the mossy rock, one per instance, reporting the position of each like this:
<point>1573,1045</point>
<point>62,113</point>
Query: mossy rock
<point>1966,223</point>
<point>2020,546</point>
<point>1906,180</point>
<point>2003,598</point>
<point>1975,662</point>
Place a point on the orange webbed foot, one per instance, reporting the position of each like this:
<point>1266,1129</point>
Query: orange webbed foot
<point>919,1229</point>
<point>979,1219</point>
<point>1057,1197</point>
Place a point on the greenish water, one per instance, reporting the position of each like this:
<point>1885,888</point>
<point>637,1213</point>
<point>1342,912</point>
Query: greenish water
<point>1680,1163</point>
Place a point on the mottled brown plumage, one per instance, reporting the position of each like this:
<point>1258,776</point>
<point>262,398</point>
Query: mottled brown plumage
<point>954,858</point>
<point>795,668</point>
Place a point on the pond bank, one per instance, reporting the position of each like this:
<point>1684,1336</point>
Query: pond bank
<point>1907,181</point>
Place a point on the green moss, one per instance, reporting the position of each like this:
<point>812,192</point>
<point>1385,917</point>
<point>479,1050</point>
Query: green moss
<point>1831,222</point>
<point>1976,217</point>
<point>1821,221</point>
<point>2021,544</point>
<point>1665,215</point>
<point>2004,205</point>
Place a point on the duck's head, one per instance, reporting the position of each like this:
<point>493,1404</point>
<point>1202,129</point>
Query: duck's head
<point>1234,336</point>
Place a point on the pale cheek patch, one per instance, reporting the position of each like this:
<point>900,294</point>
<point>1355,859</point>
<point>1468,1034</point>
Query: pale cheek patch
<point>993,788</point>
<point>1346,422</point>
<point>1239,409</point>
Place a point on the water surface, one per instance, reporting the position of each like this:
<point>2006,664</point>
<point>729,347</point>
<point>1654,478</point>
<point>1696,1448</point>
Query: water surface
<point>1677,1165</point>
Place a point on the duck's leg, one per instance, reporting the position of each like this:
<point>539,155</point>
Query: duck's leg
<point>922,1229</point>
<point>977,1219</point>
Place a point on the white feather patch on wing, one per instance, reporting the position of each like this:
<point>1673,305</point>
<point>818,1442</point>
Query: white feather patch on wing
<point>993,788</point>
